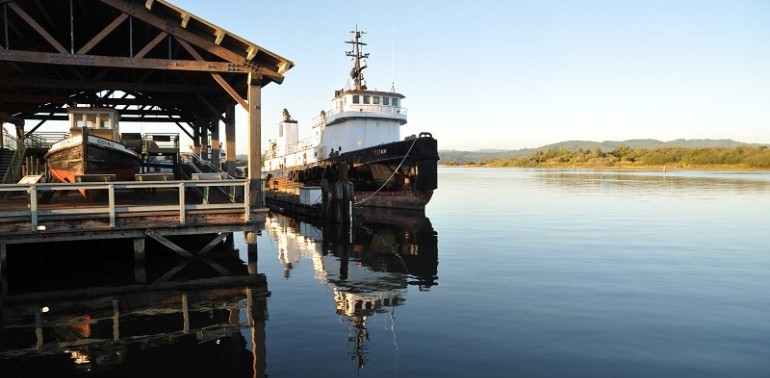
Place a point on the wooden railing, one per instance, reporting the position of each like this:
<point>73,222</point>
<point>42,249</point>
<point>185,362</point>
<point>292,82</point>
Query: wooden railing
<point>36,212</point>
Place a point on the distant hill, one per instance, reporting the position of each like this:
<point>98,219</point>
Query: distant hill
<point>574,145</point>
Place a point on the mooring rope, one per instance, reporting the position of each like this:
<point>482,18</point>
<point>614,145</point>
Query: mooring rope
<point>391,175</point>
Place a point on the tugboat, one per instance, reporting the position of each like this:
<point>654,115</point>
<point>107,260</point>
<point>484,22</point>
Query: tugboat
<point>94,146</point>
<point>358,141</point>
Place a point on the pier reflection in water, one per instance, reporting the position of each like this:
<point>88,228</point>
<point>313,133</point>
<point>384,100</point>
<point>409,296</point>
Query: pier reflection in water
<point>97,313</point>
<point>367,267</point>
<point>100,313</point>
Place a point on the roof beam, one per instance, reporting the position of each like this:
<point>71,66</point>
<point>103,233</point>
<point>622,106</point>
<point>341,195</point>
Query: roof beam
<point>39,29</point>
<point>161,23</point>
<point>251,52</point>
<point>147,48</point>
<point>120,62</point>
<point>219,79</point>
<point>145,14</point>
<point>106,31</point>
<point>220,35</point>
<point>185,19</point>
<point>43,83</point>
<point>31,98</point>
<point>5,97</point>
<point>174,118</point>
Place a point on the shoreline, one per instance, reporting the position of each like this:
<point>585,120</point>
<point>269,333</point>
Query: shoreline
<point>648,168</point>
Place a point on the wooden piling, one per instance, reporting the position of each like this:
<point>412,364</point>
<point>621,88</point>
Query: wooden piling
<point>139,249</point>
<point>3,269</point>
<point>338,197</point>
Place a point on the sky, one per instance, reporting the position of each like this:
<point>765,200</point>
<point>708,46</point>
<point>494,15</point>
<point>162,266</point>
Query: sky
<point>491,74</point>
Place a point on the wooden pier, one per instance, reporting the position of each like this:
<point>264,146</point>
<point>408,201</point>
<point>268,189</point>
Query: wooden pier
<point>52,212</point>
<point>149,62</point>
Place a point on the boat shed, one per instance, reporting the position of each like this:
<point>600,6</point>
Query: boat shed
<point>151,61</point>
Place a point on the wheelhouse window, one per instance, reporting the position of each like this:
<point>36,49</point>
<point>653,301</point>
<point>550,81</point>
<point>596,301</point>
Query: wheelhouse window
<point>376,100</point>
<point>386,100</point>
<point>355,99</point>
<point>366,99</point>
<point>395,101</point>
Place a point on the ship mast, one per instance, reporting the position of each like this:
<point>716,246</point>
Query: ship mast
<point>357,73</point>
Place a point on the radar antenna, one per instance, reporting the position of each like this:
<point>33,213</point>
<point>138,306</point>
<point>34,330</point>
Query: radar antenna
<point>357,73</point>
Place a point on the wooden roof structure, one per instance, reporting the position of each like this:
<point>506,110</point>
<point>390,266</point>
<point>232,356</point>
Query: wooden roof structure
<point>149,59</point>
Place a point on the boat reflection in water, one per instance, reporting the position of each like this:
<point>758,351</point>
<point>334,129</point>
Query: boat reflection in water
<point>202,317</point>
<point>368,267</point>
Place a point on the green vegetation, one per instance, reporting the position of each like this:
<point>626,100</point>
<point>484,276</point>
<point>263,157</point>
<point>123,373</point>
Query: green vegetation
<point>742,157</point>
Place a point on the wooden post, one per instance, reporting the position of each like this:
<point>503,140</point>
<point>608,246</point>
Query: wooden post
<point>230,140</point>
<point>255,315</point>
<point>115,320</point>
<point>177,170</point>
<point>347,194</point>
<point>338,198</point>
<point>4,269</point>
<point>185,314</point>
<point>255,140</point>
<point>139,249</point>
<point>215,142</point>
<point>204,136</point>
<point>196,138</point>
<point>251,253</point>
<point>230,241</point>
<point>140,272</point>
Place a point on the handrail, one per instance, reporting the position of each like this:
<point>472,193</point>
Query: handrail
<point>198,162</point>
<point>14,169</point>
<point>111,210</point>
<point>20,146</point>
<point>160,142</point>
<point>44,139</point>
<point>16,163</point>
<point>8,141</point>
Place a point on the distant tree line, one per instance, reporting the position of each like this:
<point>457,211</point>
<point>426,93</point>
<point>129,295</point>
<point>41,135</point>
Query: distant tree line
<point>743,157</point>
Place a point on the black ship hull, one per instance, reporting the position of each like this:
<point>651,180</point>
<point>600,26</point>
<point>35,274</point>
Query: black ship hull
<point>399,175</point>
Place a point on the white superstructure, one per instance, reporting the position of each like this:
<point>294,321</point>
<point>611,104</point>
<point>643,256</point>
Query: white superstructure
<point>359,118</point>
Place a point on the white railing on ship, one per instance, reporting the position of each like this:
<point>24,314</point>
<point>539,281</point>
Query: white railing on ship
<point>372,108</point>
<point>110,210</point>
<point>302,145</point>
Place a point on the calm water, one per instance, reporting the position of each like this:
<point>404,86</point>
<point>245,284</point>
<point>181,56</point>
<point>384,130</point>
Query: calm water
<point>512,273</point>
